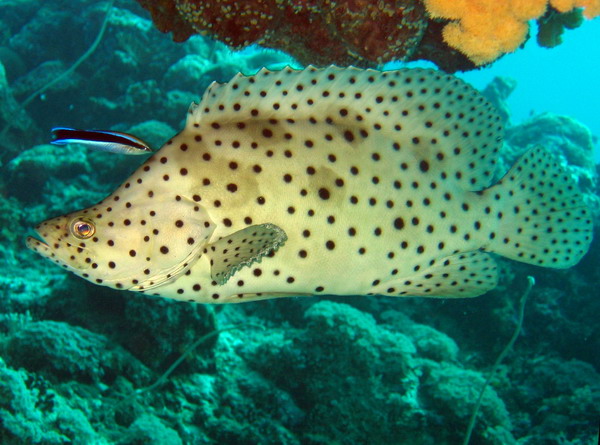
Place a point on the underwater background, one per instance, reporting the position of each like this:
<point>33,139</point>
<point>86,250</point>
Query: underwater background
<point>85,364</point>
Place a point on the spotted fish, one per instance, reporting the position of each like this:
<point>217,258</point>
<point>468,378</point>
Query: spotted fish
<point>326,181</point>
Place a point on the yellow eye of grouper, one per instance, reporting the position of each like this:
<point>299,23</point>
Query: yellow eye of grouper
<point>83,229</point>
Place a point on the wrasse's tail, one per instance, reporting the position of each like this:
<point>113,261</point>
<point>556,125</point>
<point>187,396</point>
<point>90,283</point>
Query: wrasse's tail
<point>542,219</point>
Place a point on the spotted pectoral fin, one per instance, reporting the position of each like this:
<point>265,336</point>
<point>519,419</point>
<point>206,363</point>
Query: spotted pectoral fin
<point>467,274</point>
<point>242,248</point>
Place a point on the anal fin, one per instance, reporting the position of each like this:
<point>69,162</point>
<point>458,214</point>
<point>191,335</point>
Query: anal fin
<point>466,274</point>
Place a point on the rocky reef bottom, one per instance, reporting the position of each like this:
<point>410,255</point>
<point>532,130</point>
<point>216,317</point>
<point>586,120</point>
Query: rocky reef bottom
<point>85,364</point>
<point>82,364</point>
<point>79,363</point>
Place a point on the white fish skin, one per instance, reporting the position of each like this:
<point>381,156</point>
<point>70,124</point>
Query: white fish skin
<point>327,181</point>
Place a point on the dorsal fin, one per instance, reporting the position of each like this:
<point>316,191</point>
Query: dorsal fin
<point>438,119</point>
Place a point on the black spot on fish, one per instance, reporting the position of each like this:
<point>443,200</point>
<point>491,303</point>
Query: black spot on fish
<point>324,193</point>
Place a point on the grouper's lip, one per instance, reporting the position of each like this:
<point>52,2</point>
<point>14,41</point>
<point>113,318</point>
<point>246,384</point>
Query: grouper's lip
<point>38,245</point>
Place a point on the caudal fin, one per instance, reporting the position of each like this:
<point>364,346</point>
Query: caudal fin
<point>543,219</point>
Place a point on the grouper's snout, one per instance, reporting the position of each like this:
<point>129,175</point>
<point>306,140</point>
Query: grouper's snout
<point>126,241</point>
<point>48,238</point>
<point>38,246</point>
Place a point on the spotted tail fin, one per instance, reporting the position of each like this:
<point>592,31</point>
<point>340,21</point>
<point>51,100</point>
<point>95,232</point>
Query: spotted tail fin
<point>542,217</point>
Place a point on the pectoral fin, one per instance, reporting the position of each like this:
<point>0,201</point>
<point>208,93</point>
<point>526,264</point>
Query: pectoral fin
<point>242,248</point>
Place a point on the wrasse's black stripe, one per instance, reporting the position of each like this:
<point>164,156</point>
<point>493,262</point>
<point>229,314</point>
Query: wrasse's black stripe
<point>97,136</point>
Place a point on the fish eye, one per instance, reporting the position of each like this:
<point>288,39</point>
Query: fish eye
<point>83,228</point>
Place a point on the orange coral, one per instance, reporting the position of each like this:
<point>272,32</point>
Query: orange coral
<point>592,7</point>
<point>485,29</point>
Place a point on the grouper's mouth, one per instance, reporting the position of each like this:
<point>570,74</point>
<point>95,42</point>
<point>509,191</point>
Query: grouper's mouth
<point>38,245</point>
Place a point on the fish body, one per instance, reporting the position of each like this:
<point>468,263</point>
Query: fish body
<point>101,140</point>
<point>326,181</point>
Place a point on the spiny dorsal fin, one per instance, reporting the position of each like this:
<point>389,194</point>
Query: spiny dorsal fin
<point>436,119</point>
<point>242,248</point>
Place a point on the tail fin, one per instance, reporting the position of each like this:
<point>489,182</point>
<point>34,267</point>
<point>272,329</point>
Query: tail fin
<point>543,219</point>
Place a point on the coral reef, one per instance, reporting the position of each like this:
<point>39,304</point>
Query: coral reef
<point>486,29</point>
<point>156,80</point>
<point>12,62</point>
<point>497,91</point>
<point>76,360</point>
<point>553,24</point>
<point>372,360</point>
<point>33,413</point>
<point>367,33</point>
<point>343,32</point>
<point>24,130</point>
<point>567,394</point>
<point>566,137</point>
<point>69,352</point>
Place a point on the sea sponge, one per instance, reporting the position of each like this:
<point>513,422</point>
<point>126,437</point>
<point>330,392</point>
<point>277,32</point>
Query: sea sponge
<point>551,26</point>
<point>592,7</point>
<point>485,29</point>
<point>345,32</point>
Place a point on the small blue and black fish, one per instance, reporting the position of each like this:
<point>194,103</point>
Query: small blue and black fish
<point>101,140</point>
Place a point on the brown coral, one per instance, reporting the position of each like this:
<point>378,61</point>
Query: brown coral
<point>454,34</point>
<point>359,32</point>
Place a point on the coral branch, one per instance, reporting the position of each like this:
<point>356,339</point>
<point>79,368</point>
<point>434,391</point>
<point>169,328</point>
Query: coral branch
<point>345,32</point>
<point>364,32</point>
<point>486,29</point>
